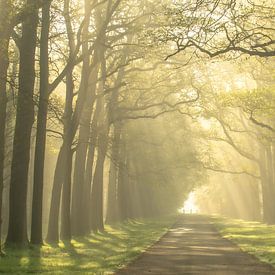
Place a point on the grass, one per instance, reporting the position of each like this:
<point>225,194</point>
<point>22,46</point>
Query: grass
<point>100,253</point>
<point>255,238</point>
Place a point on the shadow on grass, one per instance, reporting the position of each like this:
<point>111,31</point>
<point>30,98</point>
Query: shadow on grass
<point>98,252</point>
<point>253,237</point>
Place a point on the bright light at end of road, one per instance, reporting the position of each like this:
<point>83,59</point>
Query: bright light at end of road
<point>190,205</point>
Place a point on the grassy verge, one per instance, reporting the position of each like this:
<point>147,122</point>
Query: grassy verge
<point>255,238</point>
<point>100,253</point>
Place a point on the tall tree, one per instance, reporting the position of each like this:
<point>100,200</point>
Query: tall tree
<point>112,207</point>
<point>90,78</point>
<point>39,158</point>
<point>17,232</point>
<point>5,32</point>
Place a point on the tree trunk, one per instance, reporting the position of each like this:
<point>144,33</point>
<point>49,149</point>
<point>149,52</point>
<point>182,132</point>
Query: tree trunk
<point>79,189</point>
<point>37,201</point>
<point>67,172</point>
<point>53,228</point>
<point>65,233</point>
<point>267,190</point>
<point>89,172</point>
<point>5,29</point>
<point>256,207</point>
<point>71,122</point>
<point>97,187</point>
<point>17,232</point>
<point>122,193</point>
<point>112,207</point>
<point>271,185</point>
<point>62,176</point>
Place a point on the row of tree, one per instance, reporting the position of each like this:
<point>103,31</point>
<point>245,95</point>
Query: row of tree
<point>71,67</point>
<point>79,83</point>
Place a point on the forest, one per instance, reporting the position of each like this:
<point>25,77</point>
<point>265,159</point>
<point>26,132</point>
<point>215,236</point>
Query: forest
<point>116,110</point>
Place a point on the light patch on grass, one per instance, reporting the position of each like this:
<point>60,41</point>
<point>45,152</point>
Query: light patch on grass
<point>100,253</point>
<point>255,238</point>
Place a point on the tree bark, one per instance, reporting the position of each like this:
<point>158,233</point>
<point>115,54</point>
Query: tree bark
<point>89,172</point>
<point>271,185</point>
<point>97,187</point>
<point>122,185</point>
<point>67,172</point>
<point>112,207</point>
<point>124,189</point>
<point>267,189</point>
<point>53,228</point>
<point>5,30</point>
<point>17,232</point>
<point>79,186</point>
<point>65,233</point>
<point>40,146</point>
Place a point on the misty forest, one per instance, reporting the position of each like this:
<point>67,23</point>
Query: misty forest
<point>123,120</point>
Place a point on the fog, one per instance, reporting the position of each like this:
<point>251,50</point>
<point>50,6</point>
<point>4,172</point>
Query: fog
<point>125,110</point>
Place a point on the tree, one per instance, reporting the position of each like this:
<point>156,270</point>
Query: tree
<point>218,27</point>
<point>37,201</point>
<point>24,120</point>
<point>5,32</point>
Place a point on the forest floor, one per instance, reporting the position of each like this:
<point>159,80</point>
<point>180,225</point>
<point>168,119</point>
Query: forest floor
<point>194,246</point>
<point>100,253</point>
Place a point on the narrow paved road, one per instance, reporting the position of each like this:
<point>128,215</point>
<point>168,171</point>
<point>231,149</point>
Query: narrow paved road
<point>193,246</point>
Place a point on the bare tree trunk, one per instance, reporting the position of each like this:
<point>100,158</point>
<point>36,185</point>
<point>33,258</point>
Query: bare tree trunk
<point>37,201</point>
<point>5,29</point>
<point>270,182</point>
<point>67,172</point>
<point>17,232</point>
<point>89,172</point>
<point>122,188</point>
<point>65,233</point>
<point>112,204</point>
<point>79,189</point>
<point>267,190</point>
<point>97,187</point>
<point>53,228</point>
<point>256,207</point>
<point>80,158</point>
<point>112,207</point>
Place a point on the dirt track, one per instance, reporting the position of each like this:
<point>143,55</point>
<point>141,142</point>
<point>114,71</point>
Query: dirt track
<point>193,246</point>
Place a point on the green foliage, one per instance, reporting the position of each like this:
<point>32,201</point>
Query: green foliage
<point>100,253</point>
<point>258,101</point>
<point>255,238</point>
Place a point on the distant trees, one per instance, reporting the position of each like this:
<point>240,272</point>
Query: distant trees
<point>230,29</point>
<point>250,137</point>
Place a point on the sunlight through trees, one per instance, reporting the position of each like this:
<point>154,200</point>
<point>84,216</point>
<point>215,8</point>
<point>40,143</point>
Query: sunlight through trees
<point>119,110</point>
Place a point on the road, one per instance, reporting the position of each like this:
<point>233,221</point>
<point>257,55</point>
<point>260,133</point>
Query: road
<point>193,246</point>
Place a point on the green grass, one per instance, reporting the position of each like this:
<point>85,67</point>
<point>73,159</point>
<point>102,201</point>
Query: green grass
<point>100,253</point>
<point>255,238</point>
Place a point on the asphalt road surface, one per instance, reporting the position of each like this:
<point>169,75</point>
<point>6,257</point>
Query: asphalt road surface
<point>193,246</point>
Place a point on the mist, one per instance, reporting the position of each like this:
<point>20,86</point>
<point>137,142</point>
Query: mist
<point>115,112</point>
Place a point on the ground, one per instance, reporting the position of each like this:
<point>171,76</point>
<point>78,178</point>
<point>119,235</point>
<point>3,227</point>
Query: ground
<point>194,246</point>
<point>100,253</point>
